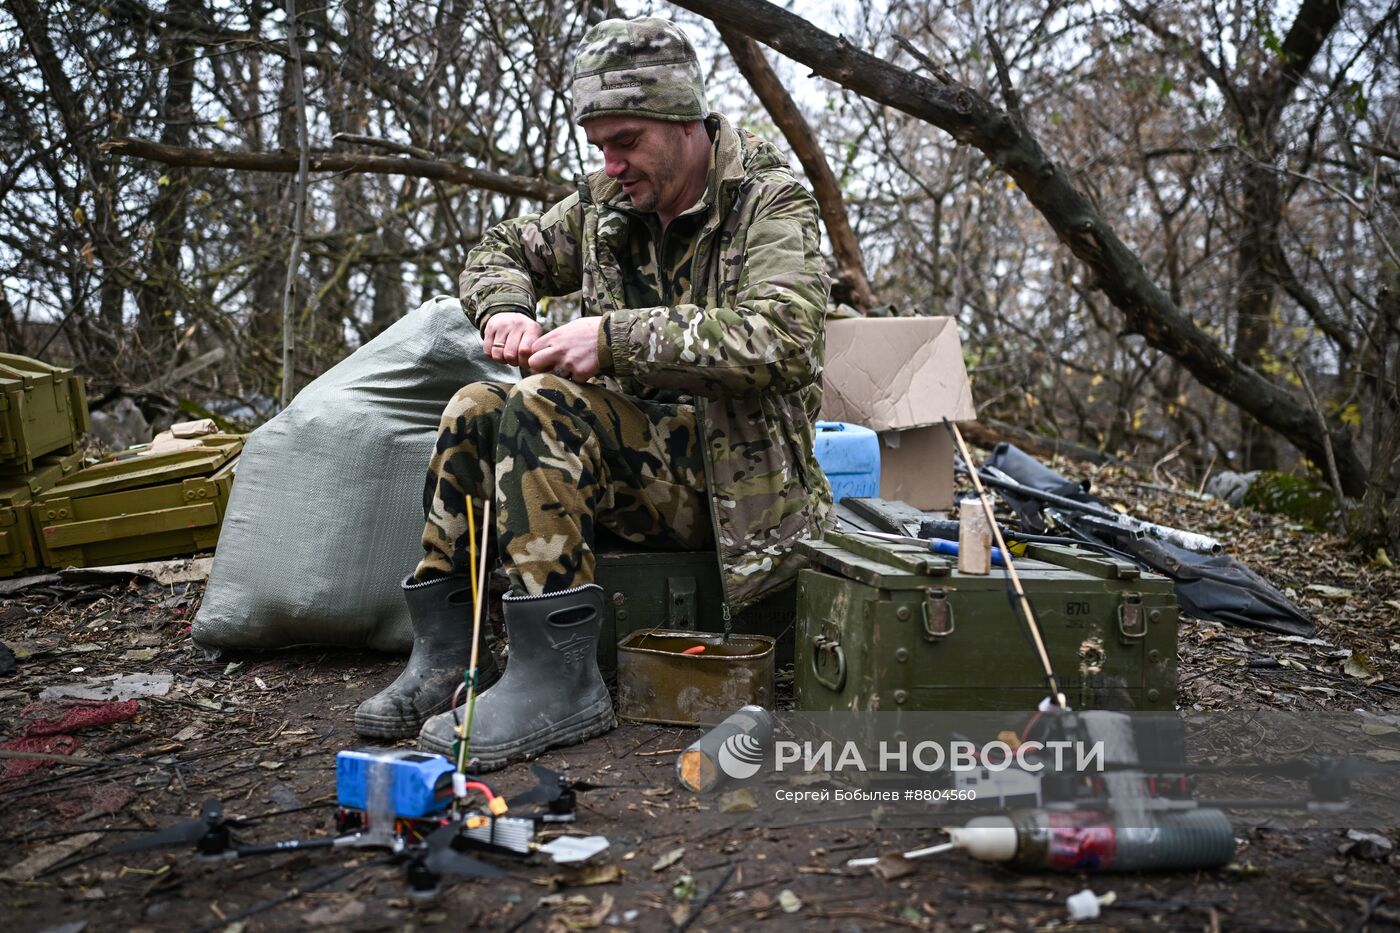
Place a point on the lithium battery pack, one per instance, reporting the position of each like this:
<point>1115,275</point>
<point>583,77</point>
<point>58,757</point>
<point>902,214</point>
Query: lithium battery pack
<point>409,784</point>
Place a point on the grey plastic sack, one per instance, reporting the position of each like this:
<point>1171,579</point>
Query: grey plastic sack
<point>326,514</point>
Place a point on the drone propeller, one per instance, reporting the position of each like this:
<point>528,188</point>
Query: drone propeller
<point>209,832</point>
<point>447,856</point>
<point>553,785</point>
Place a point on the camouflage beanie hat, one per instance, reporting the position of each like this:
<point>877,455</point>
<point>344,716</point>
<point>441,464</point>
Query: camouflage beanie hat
<point>638,67</point>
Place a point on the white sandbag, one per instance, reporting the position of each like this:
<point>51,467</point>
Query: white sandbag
<point>326,515</point>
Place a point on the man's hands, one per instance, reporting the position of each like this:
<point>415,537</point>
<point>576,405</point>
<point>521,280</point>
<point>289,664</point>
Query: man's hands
<point>569,351</point>
<point>510,337</point>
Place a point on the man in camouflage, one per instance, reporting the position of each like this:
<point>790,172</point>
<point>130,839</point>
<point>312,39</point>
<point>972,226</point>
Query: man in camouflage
<point>677,412</point>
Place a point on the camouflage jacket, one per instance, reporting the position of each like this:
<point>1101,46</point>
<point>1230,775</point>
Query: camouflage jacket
<point>749,346</point>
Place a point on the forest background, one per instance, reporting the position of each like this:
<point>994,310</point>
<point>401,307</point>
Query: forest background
<point>1168,232</point>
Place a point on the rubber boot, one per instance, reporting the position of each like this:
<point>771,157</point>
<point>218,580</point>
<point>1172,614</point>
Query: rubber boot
<point>440,611</point>
<point>552,693</point>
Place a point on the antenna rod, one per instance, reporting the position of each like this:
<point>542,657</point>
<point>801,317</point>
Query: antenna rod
<point>1054,682</point>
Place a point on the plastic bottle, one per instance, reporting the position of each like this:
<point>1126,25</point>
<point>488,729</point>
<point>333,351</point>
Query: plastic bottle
<point>1091,840</point>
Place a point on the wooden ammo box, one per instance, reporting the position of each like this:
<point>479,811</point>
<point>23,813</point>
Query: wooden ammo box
<point>678,590</point>
<point>43,409</point>
<point>139,508</point>
<point>887,625</point>
<point>19,544</point>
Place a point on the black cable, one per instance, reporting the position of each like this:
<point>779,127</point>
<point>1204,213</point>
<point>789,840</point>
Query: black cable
<point>30,840</point>
<point>254,820</point>
<point>291,895</point>
<point>83,776</point>
<point>704,901</point>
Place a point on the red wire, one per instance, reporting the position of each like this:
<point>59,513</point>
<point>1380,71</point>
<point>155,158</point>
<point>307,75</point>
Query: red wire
<point>1025,733</point>
<point>478,786</point>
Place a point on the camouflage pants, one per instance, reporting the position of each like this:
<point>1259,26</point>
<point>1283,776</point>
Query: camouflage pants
<point>560,457</point>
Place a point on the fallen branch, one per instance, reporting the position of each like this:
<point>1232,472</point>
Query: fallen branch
<point>286,163</point>
<point>988,432</point>
<point>45,756</point>
<point>182,372</point>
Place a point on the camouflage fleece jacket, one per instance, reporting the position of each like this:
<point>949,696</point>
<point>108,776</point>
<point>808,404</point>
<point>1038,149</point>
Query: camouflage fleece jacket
<point>748,344</point>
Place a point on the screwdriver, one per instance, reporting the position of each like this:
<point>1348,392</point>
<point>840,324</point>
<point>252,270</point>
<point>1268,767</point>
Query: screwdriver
<point>936,545</point>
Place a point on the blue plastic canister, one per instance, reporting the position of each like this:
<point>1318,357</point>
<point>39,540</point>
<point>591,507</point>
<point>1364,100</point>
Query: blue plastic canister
<point>850,457</point>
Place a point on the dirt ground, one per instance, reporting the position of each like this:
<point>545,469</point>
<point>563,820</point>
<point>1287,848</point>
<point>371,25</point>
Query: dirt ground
<point>260,732</point>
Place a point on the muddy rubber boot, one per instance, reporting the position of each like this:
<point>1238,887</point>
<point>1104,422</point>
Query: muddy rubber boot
<point>552,693</point>
<point>440,611</point>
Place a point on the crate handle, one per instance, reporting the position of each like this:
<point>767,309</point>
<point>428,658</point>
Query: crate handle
<point>1132,623</point>
<point>821,645</point>
<point>938,615</point>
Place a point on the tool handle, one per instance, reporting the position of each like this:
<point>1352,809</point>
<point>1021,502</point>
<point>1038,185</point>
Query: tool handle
<point>950,549</point>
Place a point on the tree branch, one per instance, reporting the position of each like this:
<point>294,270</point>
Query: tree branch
<point>286,162</point>
<point>1008,90</point>
<point>1283,273</point>
<point>289,291</point>
<point>825,187</point>
<point>1305,38</point>
<point>1380,150</point>
<point>375,75</point>
<point>1116,269</point>
<point>933,68</point>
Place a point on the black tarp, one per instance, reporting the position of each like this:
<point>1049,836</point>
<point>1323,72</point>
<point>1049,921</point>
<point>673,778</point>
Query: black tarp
<point>1208,586</point>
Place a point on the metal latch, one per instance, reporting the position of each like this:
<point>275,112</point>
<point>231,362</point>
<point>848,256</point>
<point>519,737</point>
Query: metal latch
<point>938,615</point>
<point>680,602</point>
<point>828,659</point>
<point>1132,622</point>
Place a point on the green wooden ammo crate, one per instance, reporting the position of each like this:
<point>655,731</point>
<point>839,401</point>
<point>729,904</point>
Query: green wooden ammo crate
<point>19,551</point>
<point>885,625</point>
<point>646,589</point>
<point>19,543</point>
<point>43,409</point>
<point>140,508</point>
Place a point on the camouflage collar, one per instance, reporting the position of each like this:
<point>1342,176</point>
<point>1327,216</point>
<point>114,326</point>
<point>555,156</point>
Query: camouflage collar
<point>726,167</point>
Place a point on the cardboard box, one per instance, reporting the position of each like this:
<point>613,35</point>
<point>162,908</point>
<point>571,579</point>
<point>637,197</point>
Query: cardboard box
<point>901,377</point>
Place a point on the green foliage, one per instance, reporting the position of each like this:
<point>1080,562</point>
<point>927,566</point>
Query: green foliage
<point>1299,498</point>
<point>1356,100</point>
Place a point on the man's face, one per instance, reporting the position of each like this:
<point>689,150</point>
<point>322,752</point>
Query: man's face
<point>646,156</point>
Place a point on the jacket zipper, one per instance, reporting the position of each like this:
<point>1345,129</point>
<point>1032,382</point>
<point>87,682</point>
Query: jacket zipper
<point>696,282</point>
<point>724,612</point>
<point>662,268</point>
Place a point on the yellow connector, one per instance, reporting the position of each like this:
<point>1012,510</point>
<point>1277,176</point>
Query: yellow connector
<point>497,806</point>
<point>476,822</point>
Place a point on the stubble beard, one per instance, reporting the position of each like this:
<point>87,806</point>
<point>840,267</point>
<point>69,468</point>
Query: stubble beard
<point>649,199</point>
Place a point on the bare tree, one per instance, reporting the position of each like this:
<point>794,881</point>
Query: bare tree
<point>1004,136</point>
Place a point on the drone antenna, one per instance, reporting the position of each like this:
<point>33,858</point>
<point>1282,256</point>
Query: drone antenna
<point>464,728</point>
<point>471,546</point>
<point>1056,691</point>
